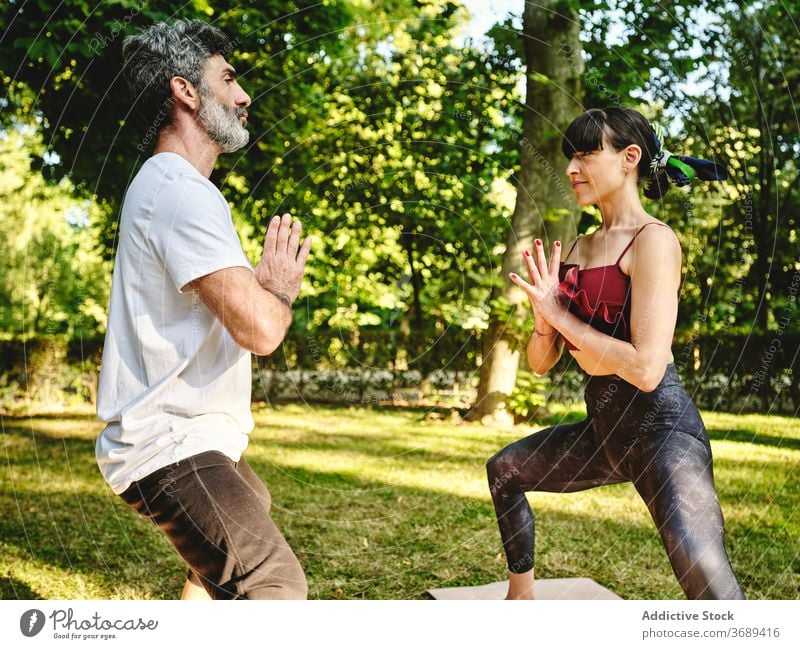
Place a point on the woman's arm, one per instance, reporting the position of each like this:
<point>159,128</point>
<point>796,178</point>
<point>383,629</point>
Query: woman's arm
<point>544,348</point>
<point>546,344</point>
<point>655,280</point>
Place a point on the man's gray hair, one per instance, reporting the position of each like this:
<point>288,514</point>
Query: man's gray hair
<point>162,51</point>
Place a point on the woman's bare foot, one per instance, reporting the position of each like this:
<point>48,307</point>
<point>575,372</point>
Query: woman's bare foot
<point>520,586</point>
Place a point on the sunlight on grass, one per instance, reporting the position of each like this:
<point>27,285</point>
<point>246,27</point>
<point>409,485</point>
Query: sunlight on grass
<point>385,504</point>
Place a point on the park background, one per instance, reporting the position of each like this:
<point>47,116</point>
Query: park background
<point>419,142</point>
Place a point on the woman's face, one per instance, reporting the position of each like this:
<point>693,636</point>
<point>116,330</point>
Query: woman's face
<point>597,174</point>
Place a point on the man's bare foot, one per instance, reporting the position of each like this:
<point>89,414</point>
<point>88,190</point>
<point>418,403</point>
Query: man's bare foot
<point>193,591</point>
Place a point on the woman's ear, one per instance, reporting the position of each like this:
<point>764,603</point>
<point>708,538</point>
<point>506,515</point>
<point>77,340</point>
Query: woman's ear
<point>632,153</point>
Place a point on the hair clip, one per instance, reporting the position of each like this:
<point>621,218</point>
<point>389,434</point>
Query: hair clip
<point>681,169</point>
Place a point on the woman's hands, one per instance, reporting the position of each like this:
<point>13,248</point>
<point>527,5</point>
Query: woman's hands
<point>542,291</point>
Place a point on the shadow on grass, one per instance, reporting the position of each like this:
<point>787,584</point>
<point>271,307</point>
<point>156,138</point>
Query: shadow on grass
<point>378,446</point>
<point>363,409</point>
<point>14,589</point>
<point>63,524</point>
<point>386,541</point>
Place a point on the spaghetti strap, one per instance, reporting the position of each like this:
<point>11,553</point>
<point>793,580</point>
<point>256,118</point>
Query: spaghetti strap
<point>625,249</point>
<point>572,246</point>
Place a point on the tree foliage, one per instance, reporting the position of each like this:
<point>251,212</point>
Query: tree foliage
<point>400,148</point>
<point>53,279</point>
<point>721,76</point>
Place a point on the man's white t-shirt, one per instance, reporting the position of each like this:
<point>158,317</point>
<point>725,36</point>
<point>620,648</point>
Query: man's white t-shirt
<point>173,383</point>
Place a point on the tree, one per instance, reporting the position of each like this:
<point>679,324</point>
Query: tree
<point>404,184</point>
<point>756,132</point>
<point>73,66</point>
<point>544,206</point>
<point>367,123</point>
<point>53,280</point>
<point>741,57</point>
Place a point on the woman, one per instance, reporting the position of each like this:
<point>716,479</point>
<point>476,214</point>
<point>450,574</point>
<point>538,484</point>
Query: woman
<point>613,301</point>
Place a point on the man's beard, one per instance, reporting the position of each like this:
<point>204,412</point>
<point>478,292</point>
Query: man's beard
<point>222,124</point>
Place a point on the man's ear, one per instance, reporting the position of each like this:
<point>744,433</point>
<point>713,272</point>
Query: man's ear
<point>184,93</point>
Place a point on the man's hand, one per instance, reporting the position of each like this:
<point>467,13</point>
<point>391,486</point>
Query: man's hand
<point>248,301</point>
<point>280,270</point>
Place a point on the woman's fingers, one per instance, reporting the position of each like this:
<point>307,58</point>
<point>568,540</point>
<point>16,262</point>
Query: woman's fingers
<point>533,270</point>
<point>555,260</point>
<point>521,283</point>
<point>541,259</point>
<point>529,266</point>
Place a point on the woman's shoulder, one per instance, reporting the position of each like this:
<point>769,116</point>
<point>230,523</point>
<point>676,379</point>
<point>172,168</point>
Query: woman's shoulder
<point>659,233</point>
<point>650,221</point>
<point>654,247</point>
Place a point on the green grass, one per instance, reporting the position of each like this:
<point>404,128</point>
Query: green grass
<point>381,503</point>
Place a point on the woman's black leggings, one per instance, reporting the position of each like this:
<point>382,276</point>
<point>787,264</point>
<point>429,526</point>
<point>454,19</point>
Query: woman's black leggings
<point>656,440</point>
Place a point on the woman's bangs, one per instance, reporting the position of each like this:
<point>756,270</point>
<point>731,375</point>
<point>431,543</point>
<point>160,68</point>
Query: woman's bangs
<point>584,134</point>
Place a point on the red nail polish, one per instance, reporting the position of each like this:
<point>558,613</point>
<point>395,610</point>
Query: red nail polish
<point>538,242</point>
<point>558,243</point>
<point>527,253</point>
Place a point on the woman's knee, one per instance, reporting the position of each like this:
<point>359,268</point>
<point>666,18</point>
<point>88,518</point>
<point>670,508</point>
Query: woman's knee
<point>501,470</point>
<point>704,572</point>
<point>695,546</point>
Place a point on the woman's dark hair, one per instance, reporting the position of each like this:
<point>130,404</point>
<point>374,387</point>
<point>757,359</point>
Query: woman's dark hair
<point>622,127</point>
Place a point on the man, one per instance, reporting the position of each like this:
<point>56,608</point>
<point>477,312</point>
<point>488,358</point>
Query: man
<point>187,309</point>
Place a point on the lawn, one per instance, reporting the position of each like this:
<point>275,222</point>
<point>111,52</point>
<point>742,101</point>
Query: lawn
<point>385,503</point>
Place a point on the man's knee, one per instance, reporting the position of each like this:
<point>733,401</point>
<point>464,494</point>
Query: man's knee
<point>276,580</point>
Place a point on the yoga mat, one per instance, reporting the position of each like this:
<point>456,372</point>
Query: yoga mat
<point>570,588</point>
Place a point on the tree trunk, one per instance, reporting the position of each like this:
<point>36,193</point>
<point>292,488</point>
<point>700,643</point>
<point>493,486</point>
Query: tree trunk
<point>416,282</point>
<point>544,197</point>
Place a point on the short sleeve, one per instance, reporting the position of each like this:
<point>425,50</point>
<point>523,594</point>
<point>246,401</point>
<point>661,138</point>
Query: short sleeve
<point>192,232</point>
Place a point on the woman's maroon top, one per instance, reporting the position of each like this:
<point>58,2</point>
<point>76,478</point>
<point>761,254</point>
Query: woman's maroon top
<point>599,296</point>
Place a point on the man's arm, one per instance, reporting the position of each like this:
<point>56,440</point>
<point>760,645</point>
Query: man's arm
<point>255,306</point>
<point>255,318</point>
